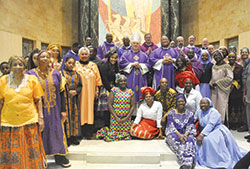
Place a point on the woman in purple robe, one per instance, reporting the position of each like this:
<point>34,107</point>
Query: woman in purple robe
<point>180,133</point>
<point>54,110</point>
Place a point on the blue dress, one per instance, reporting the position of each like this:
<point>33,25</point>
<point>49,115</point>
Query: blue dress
<point>218,149</point>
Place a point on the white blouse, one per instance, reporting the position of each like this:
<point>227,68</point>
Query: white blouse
<point>153,113</point>
<point>193,102</point>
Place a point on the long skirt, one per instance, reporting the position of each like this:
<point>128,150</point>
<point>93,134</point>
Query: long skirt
<point>116,132</point>
<point>205,90</point>
<point>185,152</point>
<point>219,150</point>
<point>21,148</point>
<point>146,129</point>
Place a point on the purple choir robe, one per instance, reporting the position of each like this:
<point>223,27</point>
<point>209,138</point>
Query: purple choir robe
<point>197,50</point>
<point>144,47</point>
<point>184,49</point>
<point>136,78</point>
<point>122,49</point>
<point>197,67</point>
<point>104,48</point>
<point>160,70</point>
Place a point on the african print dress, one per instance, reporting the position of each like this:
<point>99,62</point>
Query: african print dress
<point>73,123</point>
<point>183,123</point>
<point>121,105</point>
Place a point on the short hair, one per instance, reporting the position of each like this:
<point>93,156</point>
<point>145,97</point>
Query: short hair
<point>83,48</point>
<point>14,58</point>
<point>76,44</point>
<point>3,63</point>
<point>95,49</point>
<point>183,59</point>
<point>147,34</point>
<point>244,48</point>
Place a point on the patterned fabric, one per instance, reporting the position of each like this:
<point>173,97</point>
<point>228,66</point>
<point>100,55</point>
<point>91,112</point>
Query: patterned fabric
<point>168,100</point>
<point>103,100</point>
<point>21,148</point>
<point>73,125</point>
<point>121,105</point>
<point>146,129</point>
<point>182,123</point>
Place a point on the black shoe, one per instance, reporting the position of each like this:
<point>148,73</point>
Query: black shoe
<point>242,129</point>
<point>62,161</point>
<point>247,137</point>
<point>75,141</point>
<point>69,142</point>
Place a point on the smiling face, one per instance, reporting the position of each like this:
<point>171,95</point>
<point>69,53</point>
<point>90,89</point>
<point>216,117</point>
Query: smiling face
<point>179,63</point>
<point>164,41</point>
<point>148,38</point>
<point>204,56</point>
<point>34,59</point>
<point>191,40</point>
<point>148,98</point>
<point>113,59</point>
<point>218,57</point>
<point>180,104</point>
<point>70,64</point>
<point>44,59</point>
<point>188,85</point>
<point>135,46</point>
<point>122,83</point>
<point>109,37</point>
<point>5,69</point>
<point>84,55</point>
<point>164,84</point>
<point>244,54</point>
<point>204,105</point>
<point>17,67</point>
<point>190,53</point>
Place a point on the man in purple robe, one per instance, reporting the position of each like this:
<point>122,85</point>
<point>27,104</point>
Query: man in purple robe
<point>104,48</point>
<point>136,64</point>
<point>148,46</point>
<point>126,46</point>
<point>191,42</point>
<point>162,62</point>
<point>73,52</point>
<point>195,63</point>
<point>180,49</point>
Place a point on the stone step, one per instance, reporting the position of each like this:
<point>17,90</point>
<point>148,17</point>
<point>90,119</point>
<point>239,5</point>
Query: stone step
<point>123,152</point>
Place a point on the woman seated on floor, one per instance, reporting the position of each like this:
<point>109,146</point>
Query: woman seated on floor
<point>121,106</point>
<point>147,123</point>
<point>216,147</point>
<point>180,133</point>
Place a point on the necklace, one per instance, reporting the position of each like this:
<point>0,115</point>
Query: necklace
<point>42,73</point>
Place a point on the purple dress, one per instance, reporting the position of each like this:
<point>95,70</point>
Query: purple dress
<point>104,48</point>
<point>53,134</point>
<point>160,70</point>
<point>144,47</point>
<point>181,122</point>
<point>136,78</point>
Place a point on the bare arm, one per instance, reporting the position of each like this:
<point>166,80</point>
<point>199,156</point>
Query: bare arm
<point>111,109</point>
<point>39,107</point>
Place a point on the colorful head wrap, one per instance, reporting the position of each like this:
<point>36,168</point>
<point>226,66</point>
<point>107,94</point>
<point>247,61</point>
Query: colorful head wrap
<point>55,46</point>
<point>118,77</point>
<point>224,48</point>
<point>182,77</point>
<point>181,96</point>
<point>147,90</point>
<point>217,52</point>
<point>232,47</point>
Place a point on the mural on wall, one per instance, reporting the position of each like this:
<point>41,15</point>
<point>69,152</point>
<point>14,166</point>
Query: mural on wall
<point>124,17</point>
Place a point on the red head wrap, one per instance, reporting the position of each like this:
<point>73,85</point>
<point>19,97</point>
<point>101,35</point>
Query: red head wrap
<point>147,90</point>
<point>182,77</point>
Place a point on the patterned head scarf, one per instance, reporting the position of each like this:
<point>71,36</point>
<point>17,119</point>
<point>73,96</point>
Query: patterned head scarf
<point>55,46</point>
<point>118,77</point>
<point>181,96</point>
<point>217,52</point>
<point>147,90</point>
<point>232,47</point>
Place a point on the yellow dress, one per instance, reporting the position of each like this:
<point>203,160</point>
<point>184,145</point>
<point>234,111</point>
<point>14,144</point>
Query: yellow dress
<point>91,79</point>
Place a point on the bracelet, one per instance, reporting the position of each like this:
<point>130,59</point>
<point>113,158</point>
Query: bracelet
<point>41,116</point>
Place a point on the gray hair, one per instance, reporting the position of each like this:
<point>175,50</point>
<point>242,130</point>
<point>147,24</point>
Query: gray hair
<point>83,48</point>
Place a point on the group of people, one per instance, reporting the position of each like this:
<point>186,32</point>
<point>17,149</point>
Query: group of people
<point>183,94</point>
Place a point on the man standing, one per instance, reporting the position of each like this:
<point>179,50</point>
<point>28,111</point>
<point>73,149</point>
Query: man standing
<point>126,46</point>
<point>195,63</point>
<point>104,48</point>
<point>180,49</point>
<point>136,64</point>
<point>73,52</point>
<point>93,58</point>
<point>148,46</point>
<point>162,62</point>
<point>191,42</point>
<point>88,42</point>
<point>205,44</point>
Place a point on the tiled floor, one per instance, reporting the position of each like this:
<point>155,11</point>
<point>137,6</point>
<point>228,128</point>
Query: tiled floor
<point>134,146</point>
